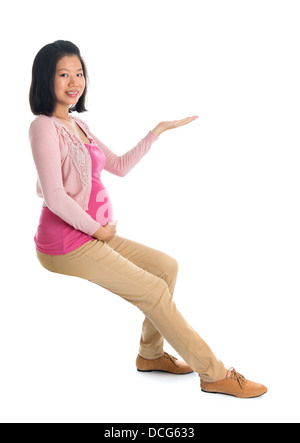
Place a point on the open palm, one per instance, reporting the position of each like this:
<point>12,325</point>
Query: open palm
<point>164,126</point>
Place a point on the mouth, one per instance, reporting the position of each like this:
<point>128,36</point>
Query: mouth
<point>73,93</point>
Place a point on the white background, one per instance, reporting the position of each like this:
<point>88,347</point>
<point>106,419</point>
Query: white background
<point>221,195</point>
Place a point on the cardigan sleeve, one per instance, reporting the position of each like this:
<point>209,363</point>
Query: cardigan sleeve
<point>44,143</point>
<point>121,165</point>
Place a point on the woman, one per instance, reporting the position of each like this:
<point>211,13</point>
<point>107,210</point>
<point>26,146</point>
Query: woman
<point>76,235</point>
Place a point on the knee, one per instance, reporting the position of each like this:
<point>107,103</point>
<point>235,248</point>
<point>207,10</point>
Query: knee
<point>171,268</point>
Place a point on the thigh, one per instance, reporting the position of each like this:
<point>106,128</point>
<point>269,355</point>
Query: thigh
<point>152,260</point>
<point>99,263</point>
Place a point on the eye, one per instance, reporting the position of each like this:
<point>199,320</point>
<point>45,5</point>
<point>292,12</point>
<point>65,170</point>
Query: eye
<point>80,75</point>
<point>63,75</point>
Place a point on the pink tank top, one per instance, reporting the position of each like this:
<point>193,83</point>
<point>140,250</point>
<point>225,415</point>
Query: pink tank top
<point>56,237</point>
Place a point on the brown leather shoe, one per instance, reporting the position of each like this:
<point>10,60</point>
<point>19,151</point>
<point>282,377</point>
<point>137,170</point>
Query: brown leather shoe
<point>235,384</point>
<point>165,363</point>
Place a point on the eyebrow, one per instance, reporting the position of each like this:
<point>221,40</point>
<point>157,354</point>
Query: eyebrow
<point>64,69</point>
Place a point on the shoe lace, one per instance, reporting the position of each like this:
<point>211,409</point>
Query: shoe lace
<point>170,357</point>
<point>238,377</point>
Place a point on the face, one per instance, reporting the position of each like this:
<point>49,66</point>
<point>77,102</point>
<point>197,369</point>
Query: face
<point>69,81</point>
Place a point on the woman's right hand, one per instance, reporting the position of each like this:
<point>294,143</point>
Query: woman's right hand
<point>106,233</point>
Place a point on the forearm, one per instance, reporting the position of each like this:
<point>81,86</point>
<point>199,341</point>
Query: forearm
<point>121,164</point>
<point>61,204</point>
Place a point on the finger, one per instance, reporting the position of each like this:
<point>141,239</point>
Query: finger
<point>190,118</point>
<point>186,120</point>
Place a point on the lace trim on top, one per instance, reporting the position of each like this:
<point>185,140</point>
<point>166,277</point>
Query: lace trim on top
<point>78,151</point>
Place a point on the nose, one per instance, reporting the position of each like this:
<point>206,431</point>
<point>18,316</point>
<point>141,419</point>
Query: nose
<point>73,80</point>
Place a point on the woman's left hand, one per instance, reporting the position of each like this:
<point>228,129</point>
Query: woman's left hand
<point>164,126</point>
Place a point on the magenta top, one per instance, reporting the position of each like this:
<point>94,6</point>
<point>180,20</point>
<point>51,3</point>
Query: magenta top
<point>54,236</point>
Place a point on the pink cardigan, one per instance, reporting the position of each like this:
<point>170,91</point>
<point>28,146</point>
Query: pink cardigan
<point>64,168</point>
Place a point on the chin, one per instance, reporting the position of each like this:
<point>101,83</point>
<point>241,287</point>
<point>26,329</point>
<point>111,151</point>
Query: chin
<point>72,102</point>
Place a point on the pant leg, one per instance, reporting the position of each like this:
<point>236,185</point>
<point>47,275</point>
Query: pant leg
<point>157,263</point>
<point>99,263</point>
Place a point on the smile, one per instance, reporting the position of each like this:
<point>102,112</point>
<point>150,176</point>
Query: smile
<point>72,93</point>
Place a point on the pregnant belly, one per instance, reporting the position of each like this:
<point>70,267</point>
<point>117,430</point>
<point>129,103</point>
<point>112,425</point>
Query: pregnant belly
<point>100,206</point>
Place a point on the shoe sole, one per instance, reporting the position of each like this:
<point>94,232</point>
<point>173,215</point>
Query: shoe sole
<point>231,395</point>
<point>161,370</point>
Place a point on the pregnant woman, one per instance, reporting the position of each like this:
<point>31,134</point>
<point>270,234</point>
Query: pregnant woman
<point>76,235</point>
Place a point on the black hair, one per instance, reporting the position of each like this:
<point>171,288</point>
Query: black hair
<point>41,95</point>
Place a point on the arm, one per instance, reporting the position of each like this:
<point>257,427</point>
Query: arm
<point>47,157</point>
<point>121,165</point>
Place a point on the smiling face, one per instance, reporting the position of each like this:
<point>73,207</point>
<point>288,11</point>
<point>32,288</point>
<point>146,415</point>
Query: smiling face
<point>69,82</point>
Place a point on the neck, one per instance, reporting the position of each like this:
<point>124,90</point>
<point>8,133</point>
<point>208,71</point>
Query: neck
<point>62,113</point>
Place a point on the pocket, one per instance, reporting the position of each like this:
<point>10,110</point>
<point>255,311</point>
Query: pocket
<point>81,249</point>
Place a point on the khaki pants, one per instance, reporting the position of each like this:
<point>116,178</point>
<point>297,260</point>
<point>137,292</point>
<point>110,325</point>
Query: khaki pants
<point>146,278</point>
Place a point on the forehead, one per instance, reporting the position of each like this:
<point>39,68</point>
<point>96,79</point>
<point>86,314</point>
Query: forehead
<point>69,62</point>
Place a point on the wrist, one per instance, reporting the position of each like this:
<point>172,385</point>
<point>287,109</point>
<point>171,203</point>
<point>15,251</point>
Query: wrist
<point>99,233</point>
<point>157,130</point>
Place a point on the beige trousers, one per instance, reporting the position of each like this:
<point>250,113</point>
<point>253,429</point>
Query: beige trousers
<point>146,278</point>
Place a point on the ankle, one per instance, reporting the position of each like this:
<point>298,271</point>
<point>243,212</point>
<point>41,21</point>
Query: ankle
<point>226,374</point>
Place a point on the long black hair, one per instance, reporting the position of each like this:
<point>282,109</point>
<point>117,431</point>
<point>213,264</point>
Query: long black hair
<point>41,95</point>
